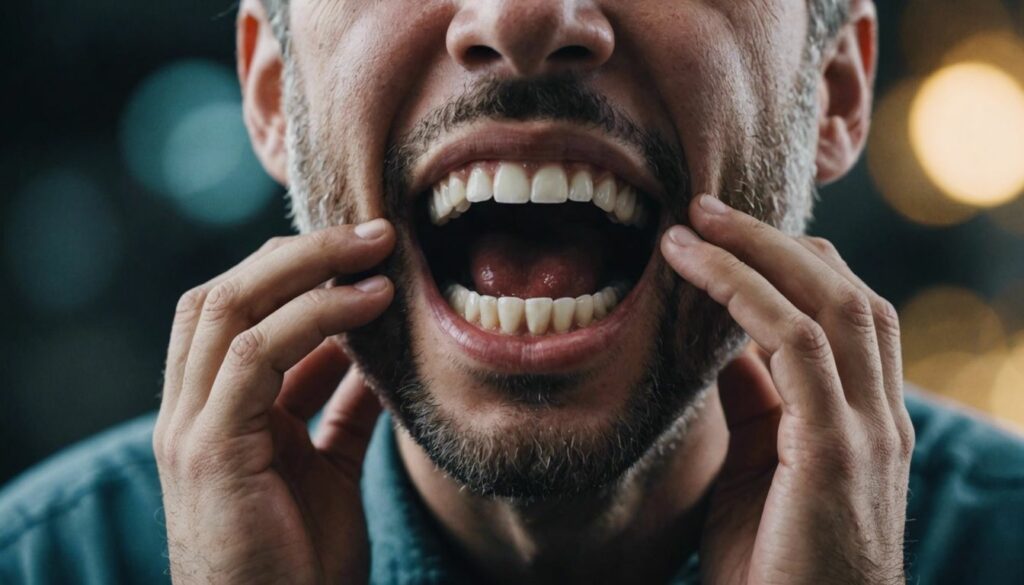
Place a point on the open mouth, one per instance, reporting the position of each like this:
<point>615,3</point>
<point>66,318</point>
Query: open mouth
<point>535,249</point>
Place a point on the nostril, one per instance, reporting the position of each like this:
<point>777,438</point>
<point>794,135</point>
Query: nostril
<point>481,55</point>
<point>571,53</point>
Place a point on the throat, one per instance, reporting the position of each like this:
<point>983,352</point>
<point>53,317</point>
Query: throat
<point>642,531</point>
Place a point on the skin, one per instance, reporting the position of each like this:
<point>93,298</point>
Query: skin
<point>795,470</point>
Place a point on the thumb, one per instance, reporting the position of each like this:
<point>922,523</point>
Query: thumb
<point>312,381</point>
<point>348,421</point>
<point>752,409</point>
<point>746,388</point>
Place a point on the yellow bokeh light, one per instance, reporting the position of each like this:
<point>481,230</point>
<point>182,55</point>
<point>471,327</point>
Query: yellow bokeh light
<point>937,372</point>
<point>955,345</point>
<point>945,320</point>
<point>1016,358</point>
<point>1007,396</point>
<point>967,130</point>
<point>895,170</point>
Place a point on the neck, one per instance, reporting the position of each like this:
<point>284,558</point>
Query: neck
<point>642,530</point>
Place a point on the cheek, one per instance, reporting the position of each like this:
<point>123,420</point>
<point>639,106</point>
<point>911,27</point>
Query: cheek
<point>360,60</point>
<point>708,63</point>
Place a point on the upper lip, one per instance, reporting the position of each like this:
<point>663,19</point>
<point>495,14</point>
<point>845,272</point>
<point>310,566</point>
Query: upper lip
<point>533,141</point>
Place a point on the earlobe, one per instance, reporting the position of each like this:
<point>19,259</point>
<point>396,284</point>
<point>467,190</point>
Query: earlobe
<point>260,73</point>
<point>845,93</point>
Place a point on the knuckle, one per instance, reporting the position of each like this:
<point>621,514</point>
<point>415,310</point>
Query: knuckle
<point>316,298</point>
<point>732,266</point>
<point>806,336</point>
<point>274,243</point>
<point>247,347</point>
<point>726,286</point>
<point>907,435</point>
<point>165,451</point>
<point>759,227</point>
<point>157,443</point>
<point>823,246</point>
<point>854,308</point>
<point>887,318</point>
<point>191,302</point>
<point>323,240</point>
<point>222,300</point>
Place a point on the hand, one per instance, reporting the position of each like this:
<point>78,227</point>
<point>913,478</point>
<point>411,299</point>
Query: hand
<point>813,489</point>
<point>249,497</point>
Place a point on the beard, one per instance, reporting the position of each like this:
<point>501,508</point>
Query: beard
<point>695,338</point>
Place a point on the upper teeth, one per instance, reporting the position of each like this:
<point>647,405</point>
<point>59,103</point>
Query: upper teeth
<point>510,183</point>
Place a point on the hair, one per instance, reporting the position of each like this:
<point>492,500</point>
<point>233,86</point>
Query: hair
<point>825,19</point>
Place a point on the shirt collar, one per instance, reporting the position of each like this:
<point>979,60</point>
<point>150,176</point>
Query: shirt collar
<point>406,544</point>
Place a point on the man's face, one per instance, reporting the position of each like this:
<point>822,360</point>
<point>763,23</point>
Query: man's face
<point>392,100</point>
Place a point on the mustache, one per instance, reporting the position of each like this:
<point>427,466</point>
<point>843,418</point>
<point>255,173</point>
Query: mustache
<point>557,98</point>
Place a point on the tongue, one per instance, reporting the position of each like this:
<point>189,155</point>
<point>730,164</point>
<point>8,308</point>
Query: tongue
<point>538,264</point>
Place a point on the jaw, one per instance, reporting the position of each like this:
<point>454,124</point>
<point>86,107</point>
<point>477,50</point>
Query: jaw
<point>489,383</point>
<point>535,416</point>
<point>521,411</point>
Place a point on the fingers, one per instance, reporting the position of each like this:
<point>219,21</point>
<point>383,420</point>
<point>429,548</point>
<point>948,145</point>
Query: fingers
<point>250,378</point>
<point>347,424</point>
<point>186,318</point>
<point>312,381</point>
<point>887,329</point>
<point>843,311</point>
<point>767,316</point>
<point>241,301</point>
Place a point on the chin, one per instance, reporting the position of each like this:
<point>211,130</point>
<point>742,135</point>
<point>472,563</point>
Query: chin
<point>538,346</point>
<point>528,410</point>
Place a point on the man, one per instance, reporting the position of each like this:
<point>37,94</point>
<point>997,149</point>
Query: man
<point>560,242</point>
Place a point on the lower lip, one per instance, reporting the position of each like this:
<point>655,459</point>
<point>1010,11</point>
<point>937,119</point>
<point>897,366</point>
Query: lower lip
<point>534,354</point>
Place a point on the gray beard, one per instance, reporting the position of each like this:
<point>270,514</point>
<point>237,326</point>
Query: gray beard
<point>773,182</point>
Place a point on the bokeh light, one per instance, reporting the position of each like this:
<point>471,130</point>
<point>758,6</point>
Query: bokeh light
<point>948,319</point>
<point>894,168</point>
<point>999,48</point>
<point>956,345</point>
<point>967,129</point>
<point>1005,50</point>
<point>182,137</point>
<point>63,242</point>
<point>1007,397</point>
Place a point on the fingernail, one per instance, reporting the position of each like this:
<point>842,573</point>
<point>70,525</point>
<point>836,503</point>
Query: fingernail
<point>682,236</point>
<point>712,204</point>
<point>372,284</point>
<point>372,230</point>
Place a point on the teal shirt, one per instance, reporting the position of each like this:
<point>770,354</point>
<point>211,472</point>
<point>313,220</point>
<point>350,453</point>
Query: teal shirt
<point>93,513</point>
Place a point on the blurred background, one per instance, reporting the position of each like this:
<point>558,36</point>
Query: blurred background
<point>130,179</point>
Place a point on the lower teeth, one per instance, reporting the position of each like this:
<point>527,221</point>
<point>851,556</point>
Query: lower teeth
<point>537,316</point>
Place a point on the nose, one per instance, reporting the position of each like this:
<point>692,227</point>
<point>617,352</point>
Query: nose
<point>530,37</point>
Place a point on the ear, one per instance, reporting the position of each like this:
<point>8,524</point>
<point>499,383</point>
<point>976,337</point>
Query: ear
<point>260,72</point>
<point>845,93</point>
